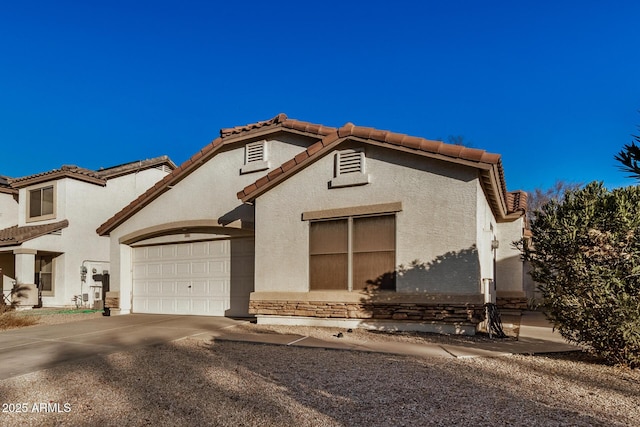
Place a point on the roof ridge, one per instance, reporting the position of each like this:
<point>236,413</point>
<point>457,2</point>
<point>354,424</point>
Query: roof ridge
<point>62,169</point>
<point>279,120</point>
<point>226,132</point>
<point>204,154</point>
<point>418,144</point>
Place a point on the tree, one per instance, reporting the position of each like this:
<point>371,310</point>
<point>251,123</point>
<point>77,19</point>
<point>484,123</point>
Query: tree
<point>538,197</point>
<point>459,140</point>
<point>629,157</point>
<point>585,256</point>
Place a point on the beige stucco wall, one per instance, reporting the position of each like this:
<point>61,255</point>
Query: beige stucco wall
<point>436,227</point>
<point>509,261</point>
<point>208,193</point>
<point>8,210</point>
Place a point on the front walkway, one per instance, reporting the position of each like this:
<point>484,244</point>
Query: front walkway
<point>536,336</point>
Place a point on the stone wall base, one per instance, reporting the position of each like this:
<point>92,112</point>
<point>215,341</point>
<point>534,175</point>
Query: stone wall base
<point>433,316</point>
<point>512,303</point>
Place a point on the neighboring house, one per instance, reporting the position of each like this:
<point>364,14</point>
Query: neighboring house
<point>349,226</point>
<point>8,217</point>
<point>8,203</point>
<point>49,234</point>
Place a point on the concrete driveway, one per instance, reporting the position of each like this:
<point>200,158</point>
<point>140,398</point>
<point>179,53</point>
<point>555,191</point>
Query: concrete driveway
<point>31,349</point>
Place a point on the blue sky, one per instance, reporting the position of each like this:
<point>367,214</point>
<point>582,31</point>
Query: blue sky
<point>552,86</point>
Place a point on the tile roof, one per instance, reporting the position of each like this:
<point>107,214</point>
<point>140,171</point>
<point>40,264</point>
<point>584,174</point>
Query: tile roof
<point>280,123</point>
<point>281,120</point>
<point>15,235</point>
<point>138,165</point>
<point>66,171</point>
<point>490,164</point>
<point>99,177</point>
<point>5,187</point>
<point>517,200</point>
<point>327,138</point>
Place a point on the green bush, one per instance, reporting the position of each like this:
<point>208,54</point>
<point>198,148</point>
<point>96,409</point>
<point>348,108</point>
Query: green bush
<point>585,255</point>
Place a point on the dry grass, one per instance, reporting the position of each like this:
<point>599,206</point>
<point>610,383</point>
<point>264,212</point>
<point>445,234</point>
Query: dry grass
<point>9,319</point>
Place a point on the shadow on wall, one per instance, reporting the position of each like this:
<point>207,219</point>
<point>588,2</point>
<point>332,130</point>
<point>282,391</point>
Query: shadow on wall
<point>241,276</point>
<point>452,272</point>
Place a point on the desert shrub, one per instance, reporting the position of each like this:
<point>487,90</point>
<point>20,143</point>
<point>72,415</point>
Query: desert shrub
<point>585,255</point>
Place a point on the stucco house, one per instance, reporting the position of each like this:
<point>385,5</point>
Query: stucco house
<point>300,223</point>
<point>48,222</point>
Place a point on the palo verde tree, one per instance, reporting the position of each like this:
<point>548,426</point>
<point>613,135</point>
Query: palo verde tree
<point>585,256</point>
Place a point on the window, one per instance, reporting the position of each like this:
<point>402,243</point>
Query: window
<point>255,157</point>
<point>41,203</point>
<point>44,273</point>
<point>349,169</point>
<point>352,253</point>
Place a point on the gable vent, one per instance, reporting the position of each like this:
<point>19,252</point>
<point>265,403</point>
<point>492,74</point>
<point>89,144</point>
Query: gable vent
<point>349,169</point>
<point>255,152</point>
<point>255,157</point>
<point>350,161</point>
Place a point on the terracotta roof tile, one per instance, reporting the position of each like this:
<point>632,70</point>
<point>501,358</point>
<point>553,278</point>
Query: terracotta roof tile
<point>301,156</point>
<point>120,170</point>
<point>450,150</point>
<point>66,171</point>
<point>262,181</point>
<point>274,173</point>
<point>313,149</point>
<point>288,165</point>
<point>517,201</point>
<point>15,235</point>
<point>514,200</point>
<point>281,121</point>
<point>99,177</point>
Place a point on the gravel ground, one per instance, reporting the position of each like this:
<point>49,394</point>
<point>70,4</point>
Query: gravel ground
<point>197,382</point>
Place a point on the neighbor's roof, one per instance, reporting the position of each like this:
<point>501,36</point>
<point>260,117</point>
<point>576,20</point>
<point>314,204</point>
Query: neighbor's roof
<point>98,177</point>
<point>503,203</point>
<point>279,123</point>
<point>15,235</point>
<point>5,187</point>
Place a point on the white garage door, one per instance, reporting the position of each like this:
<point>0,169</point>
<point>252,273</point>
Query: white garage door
<point>183,278</point>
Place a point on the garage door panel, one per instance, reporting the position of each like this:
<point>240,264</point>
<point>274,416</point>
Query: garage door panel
<point>190,278</point>
<point>199,268</point>
<point>183,251</point>
<point>218,266</point>
<point>168,252</point>
<point>183,268</point>
<point>200,288</point>
<point>200,249</point>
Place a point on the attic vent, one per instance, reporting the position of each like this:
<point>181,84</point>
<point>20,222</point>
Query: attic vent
<point>254,152</point>
<point>350,161</point>
<point>349,169</point>
<point>255,157</point>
